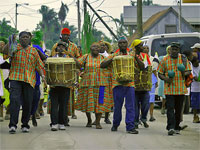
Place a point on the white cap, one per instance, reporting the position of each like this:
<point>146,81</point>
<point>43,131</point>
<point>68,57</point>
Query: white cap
<point>197,45</point>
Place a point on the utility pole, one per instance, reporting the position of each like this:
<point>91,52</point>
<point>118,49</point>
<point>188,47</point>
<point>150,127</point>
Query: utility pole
<point>180,16</point>
<point>79,22</point>
<point>17,5</point>
<point>84,7</point>
<point>16,16</point>
<point>139,18</point>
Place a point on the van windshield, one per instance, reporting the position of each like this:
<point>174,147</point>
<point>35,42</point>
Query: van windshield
<point>159,45</point>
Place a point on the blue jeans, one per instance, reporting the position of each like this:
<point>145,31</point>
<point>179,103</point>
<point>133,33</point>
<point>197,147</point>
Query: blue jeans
<point>119,93</point>
<point>141,101</point>
<point>20,92</point>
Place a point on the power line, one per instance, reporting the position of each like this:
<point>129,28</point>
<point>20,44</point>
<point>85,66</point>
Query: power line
<point>44,3</point>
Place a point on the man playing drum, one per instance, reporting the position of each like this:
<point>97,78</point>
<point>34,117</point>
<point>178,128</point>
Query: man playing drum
<point>141,96</point>
<point>59,95</point>
<point>74,51</point>
<point>123,90</point>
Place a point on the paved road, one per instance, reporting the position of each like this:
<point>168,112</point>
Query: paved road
<point>78,137</point>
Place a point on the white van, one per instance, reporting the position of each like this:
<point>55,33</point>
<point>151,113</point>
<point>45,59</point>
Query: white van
<point>158,43</point>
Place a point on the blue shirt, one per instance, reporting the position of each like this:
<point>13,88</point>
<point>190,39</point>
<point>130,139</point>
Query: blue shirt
<point>37,74</point>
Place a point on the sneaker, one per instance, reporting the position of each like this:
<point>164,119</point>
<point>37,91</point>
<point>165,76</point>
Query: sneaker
<point>145,124</point>
<point>177,131</point>
<point>107,121</point>
<point>74,117</point>
<point>182,127</point>
<point>196,119</point>
<point>171,132</point>
<point>114,128</point>
<point>152,119</point>
<point>25,130</point>
<point>132,131</point>
<point>12,130</point>
<point>62,127</point>
<point>54,127</point>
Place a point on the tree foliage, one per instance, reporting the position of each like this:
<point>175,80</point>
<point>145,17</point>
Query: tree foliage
<point>6,29</point>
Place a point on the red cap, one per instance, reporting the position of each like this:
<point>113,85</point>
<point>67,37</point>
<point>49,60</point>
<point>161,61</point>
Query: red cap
<point>65,31</point>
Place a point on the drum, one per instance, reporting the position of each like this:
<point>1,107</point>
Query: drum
<point>123,68</point>
<point>60,71</point>
<point>143,79</point>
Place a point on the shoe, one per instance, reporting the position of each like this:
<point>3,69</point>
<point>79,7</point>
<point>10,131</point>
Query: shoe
<point>74,117</point>
<point>145,124</point>
<point>37,115</point>
<point>171,132</point>
<point>7,117</point>
<point>177,131</point>
<point>182,127</point>
<point>62,127</point>
<point>162,111</point>
<point>114,128</point>
<point>25,130</point>
<point>132,131</point>
<point>196,119</point>
<point>98,126</point>
<point>34,121</point>
<point>12,130</point>
<point>94,123</point>
<point>107,121</point>
<point>54,127</point>
<point>152,119</point>
<point>89,124</point>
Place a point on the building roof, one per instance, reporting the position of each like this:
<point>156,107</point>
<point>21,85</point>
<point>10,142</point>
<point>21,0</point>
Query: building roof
<point>154,19</point>
<point>191,13</point>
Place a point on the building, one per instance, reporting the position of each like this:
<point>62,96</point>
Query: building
<point>165,21</point>
<point>190,13</point>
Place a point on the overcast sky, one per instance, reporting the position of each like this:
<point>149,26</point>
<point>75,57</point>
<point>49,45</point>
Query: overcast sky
<point>29,16</point>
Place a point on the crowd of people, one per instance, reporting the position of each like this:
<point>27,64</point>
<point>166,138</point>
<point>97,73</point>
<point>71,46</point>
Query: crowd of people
<point>97,90</point>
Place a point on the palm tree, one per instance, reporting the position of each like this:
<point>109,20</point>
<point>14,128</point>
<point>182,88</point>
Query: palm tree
<point>62,13</point>
<point>48,19</point>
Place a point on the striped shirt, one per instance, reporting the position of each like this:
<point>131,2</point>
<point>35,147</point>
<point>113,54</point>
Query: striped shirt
<point>72,48</point>
<point>93,74</point>
<point>24,63</point>
<point>177,87</point>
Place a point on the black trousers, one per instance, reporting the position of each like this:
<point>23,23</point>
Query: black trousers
<point>59,97</point>
<point>21,93</point>
<point>174,105</point>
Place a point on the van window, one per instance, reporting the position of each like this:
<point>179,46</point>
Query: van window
<point>159,45</point>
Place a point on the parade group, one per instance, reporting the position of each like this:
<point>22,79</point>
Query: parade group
<point>96,85</point>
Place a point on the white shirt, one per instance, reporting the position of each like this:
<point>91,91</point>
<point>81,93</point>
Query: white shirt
<point>195,86</point>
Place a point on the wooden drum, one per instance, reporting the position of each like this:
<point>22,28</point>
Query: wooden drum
<point>143,79</point>
<point>123,68</point>
<point>60,71</point>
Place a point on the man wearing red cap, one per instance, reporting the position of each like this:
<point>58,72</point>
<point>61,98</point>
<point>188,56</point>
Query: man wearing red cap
<point>74,52</point>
